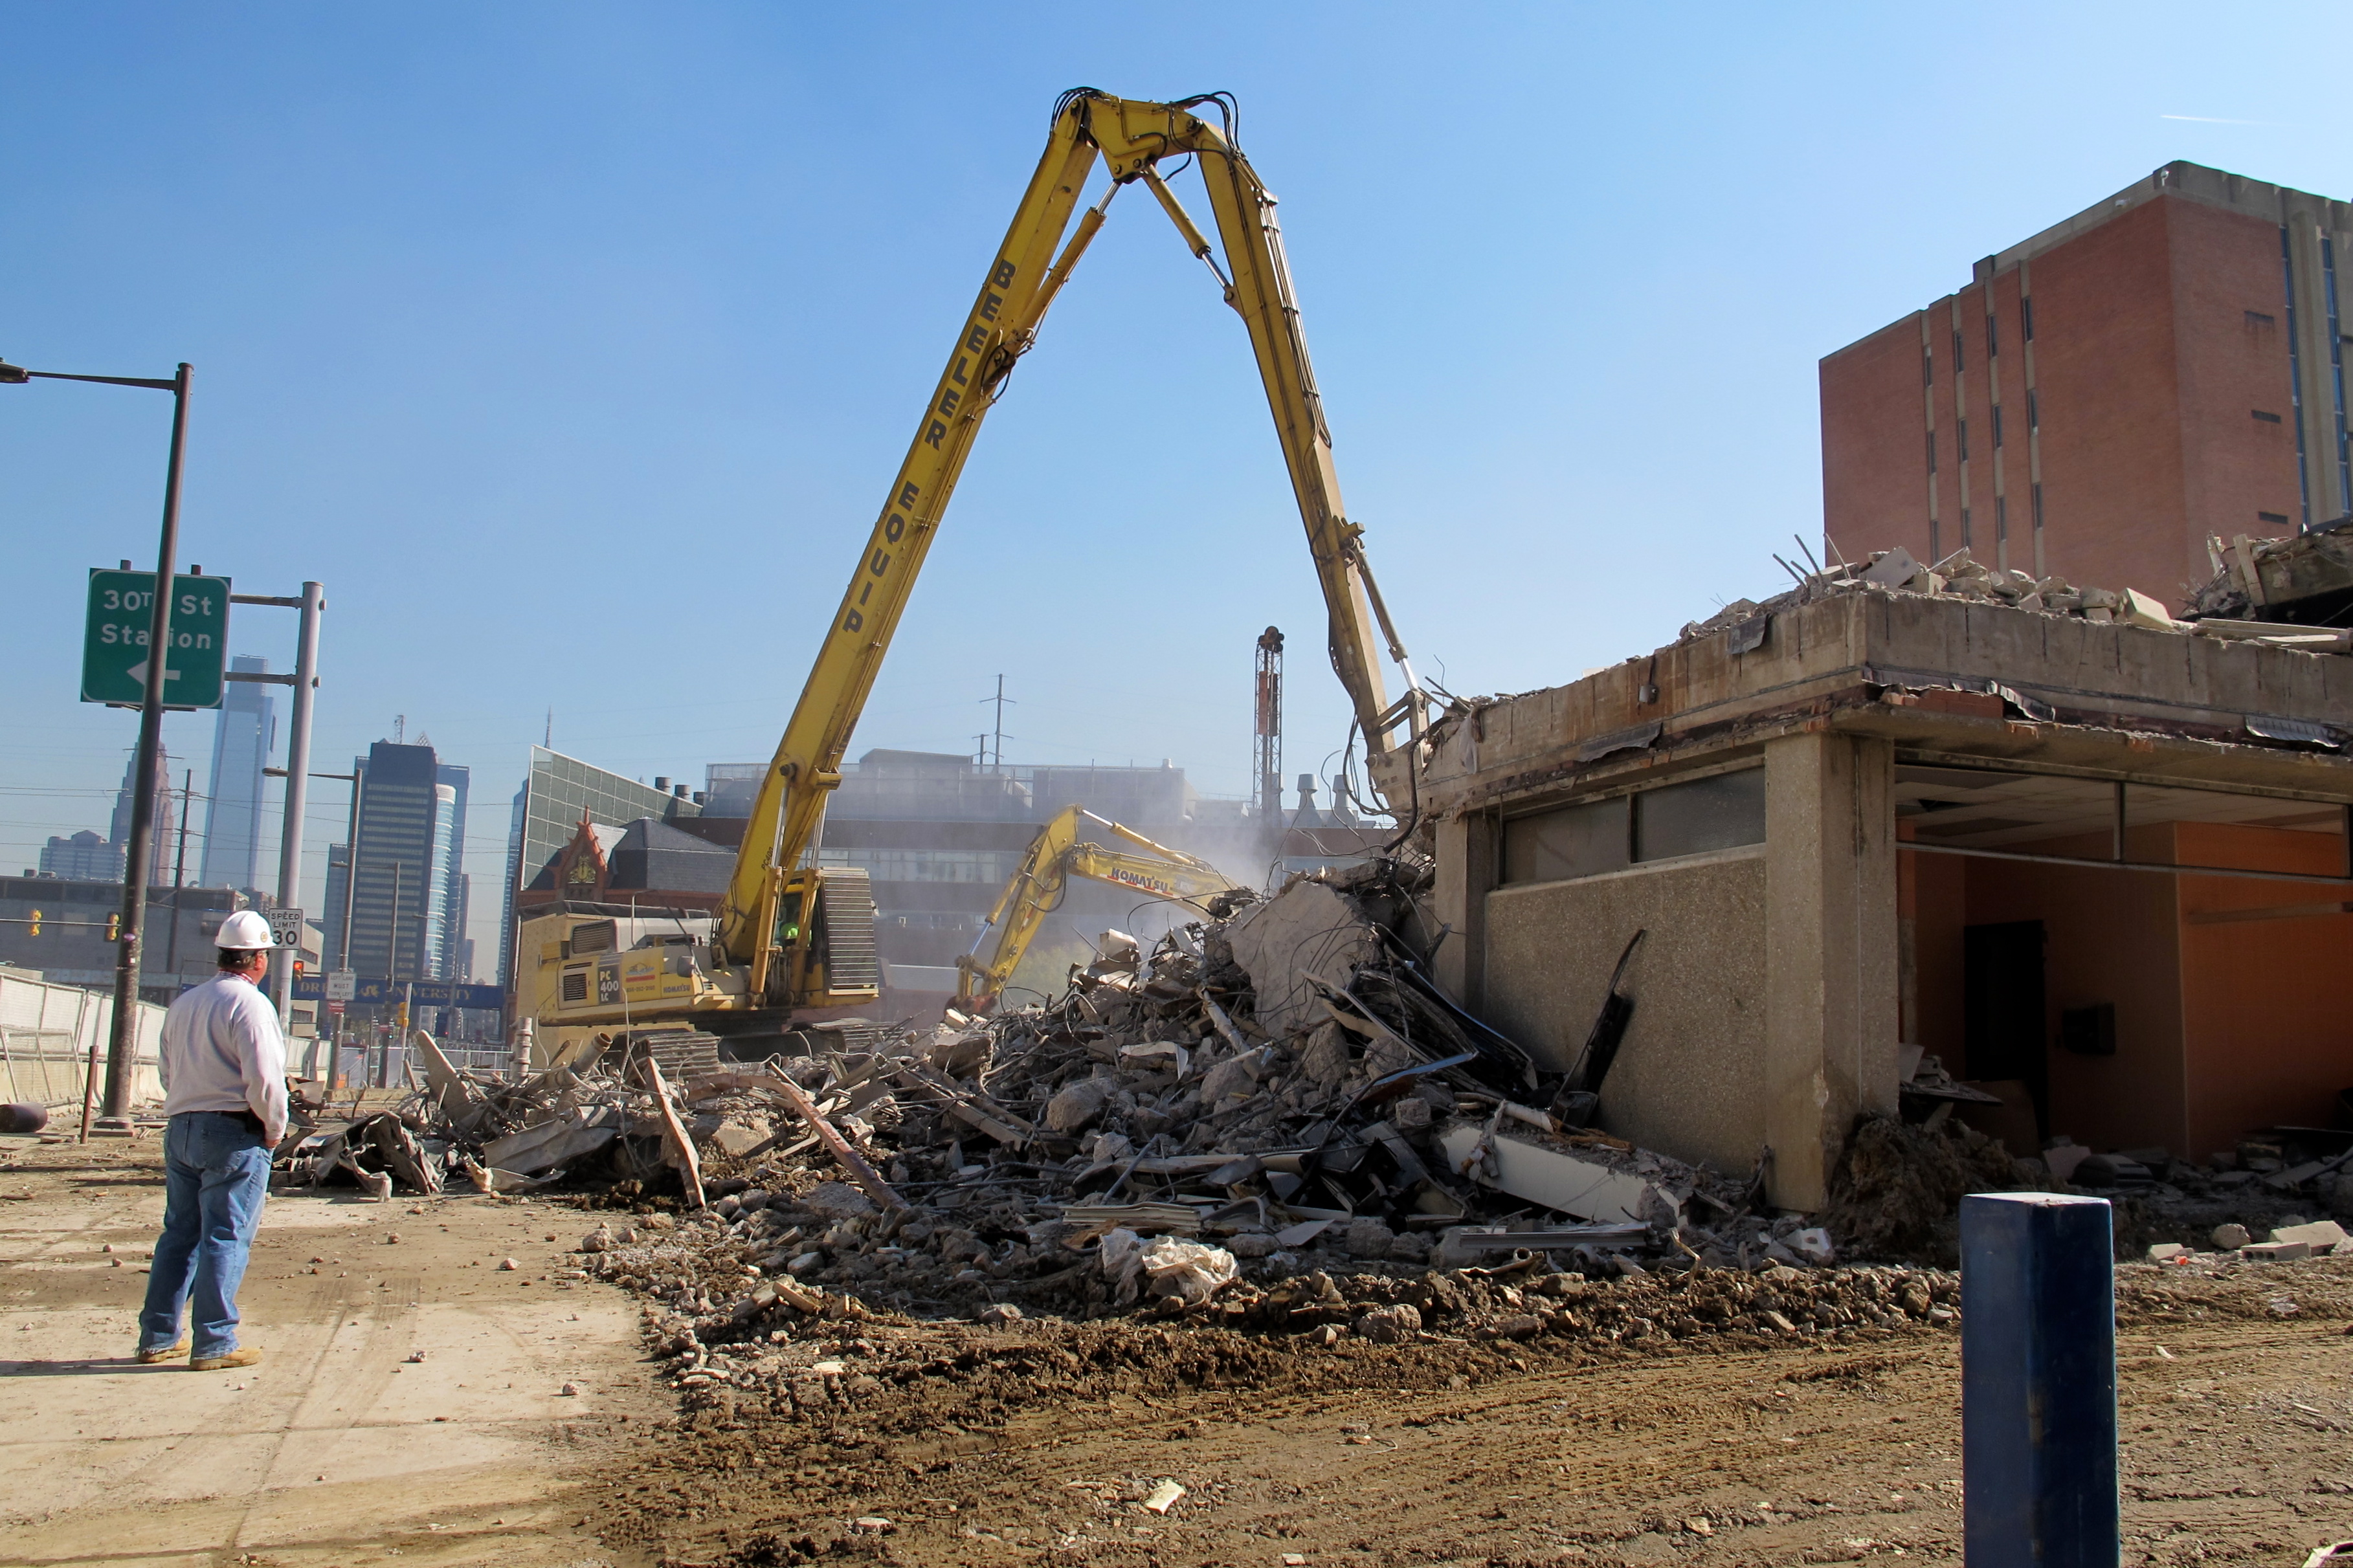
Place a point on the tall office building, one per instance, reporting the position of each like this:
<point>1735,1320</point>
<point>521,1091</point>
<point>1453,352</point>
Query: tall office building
<point>117,833</point>
<point>407,834</point>
<point>243,733</point>
<point>447,952</point>
<point>84,858</point>
<point>557,793</point>
<point>2102,397</point>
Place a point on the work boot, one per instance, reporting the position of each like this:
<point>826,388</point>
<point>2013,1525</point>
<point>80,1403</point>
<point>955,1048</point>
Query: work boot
<point>223,1362</point>
<point>169,1353</point>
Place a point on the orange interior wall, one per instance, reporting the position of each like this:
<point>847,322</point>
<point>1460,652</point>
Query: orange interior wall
<point>2111,937</point>
<point>2270,1035</point>
<point>1937,889</point>
<point>2221,1027</point>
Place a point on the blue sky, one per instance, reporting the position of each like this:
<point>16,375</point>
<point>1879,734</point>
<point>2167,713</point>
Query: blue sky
<point>573,346</point>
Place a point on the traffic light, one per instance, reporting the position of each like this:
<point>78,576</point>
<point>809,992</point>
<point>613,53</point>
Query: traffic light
<point>36,922</point>
<point>298,969</point>
<point>114,926</point>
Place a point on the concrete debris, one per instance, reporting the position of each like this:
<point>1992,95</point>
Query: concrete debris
<point>603,1111</point>
<point>1276,1092</point>
<point>2298,585</point>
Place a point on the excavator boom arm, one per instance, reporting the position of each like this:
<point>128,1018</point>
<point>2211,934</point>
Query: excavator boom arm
<point>1024,277</point>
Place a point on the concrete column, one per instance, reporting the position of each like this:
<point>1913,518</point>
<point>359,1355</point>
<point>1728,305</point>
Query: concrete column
<point>1832,1005</point>
<point>1466,873</point>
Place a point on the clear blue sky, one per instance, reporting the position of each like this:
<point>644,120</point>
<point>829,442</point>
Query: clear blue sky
<point>573,345</point>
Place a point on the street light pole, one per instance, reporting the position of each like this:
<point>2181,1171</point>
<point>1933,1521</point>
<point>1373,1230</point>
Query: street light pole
<point>123,1038</point>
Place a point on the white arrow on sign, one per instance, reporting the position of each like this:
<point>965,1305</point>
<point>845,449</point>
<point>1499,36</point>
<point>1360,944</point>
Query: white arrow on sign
<point>138,672</point>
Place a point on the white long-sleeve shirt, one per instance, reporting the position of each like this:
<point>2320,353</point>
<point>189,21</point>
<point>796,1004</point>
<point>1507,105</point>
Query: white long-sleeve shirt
<point>222,1051</point>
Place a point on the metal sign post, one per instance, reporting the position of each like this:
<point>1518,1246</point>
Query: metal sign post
<point>298,775</point>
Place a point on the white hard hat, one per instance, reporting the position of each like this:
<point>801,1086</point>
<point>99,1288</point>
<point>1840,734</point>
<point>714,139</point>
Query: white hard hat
<point>244,931</point>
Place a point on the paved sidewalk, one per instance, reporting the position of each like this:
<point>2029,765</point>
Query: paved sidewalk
<point>337,1448</point>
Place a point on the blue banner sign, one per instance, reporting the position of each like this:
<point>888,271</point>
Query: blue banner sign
<point>387,994</point>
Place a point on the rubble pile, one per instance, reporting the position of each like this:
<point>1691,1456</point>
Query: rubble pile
<point>1277,1090</point>
<point>2271,1179</point>
<point>603,1114</point>
<point>1272,1123</point>
<point>2224,609</point>
<point>2301,582</point>
<point>1897,1192</point>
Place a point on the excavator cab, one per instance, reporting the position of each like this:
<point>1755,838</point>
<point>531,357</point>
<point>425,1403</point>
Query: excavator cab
<point>822,945</point>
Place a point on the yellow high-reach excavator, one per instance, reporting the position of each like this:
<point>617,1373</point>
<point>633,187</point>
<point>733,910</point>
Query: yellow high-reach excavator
<point>793,943</point>
<point>1035,888</point>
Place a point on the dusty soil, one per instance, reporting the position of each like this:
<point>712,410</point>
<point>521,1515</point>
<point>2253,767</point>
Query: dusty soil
<point>1039,1441</point>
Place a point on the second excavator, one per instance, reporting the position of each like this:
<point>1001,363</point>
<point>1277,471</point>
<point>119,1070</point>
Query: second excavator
<point>1038,884</point>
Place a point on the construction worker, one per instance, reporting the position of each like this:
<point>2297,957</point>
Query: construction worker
<point>224,1069</point>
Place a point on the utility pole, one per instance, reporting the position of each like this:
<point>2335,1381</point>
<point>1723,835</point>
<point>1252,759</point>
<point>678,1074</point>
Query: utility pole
<point>180,866</point>
<point>179,876</point>
<point>1000,699</point>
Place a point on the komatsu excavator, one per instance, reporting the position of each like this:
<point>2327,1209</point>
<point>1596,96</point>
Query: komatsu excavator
<point>1036,886</point>
<point>793,942</point>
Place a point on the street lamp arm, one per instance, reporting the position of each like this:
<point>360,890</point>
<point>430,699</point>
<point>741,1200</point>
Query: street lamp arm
<point>17,376</point>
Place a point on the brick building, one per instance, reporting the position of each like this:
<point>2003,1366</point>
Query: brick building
<point>2101,398</point>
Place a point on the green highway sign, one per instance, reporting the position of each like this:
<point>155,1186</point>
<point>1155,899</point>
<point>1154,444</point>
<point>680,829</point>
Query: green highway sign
<point>114,640</point>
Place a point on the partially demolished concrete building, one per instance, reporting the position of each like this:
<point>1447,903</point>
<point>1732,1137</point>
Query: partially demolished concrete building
<point>2099,870</point>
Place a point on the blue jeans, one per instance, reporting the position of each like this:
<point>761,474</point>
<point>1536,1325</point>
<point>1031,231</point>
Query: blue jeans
<point>215,1174</point>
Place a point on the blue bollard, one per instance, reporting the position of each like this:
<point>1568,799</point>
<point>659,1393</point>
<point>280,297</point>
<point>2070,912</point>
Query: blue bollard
<point>2038,1382</point>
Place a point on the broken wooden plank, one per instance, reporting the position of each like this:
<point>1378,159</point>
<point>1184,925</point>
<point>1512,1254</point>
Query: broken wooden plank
<point>975,1111</point>
<point>844,1154</point>
<point>689,1168</point>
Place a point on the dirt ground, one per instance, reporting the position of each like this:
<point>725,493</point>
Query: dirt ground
<point>1039,1441</point>
<point>2235,1424</point>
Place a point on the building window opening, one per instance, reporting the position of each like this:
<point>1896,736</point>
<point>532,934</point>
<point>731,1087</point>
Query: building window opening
<point>1993,339</point>
<point>2026,316</point>
<point>1964,428</point>
<point>2034,409</point>
<point>2000,519</point>
<point>1957,365</point>
<point>1932,451</point>
<point>1722,810</point>
<point>2046,817</point>
<point>1997,427</point>
<point>2036,497</point>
